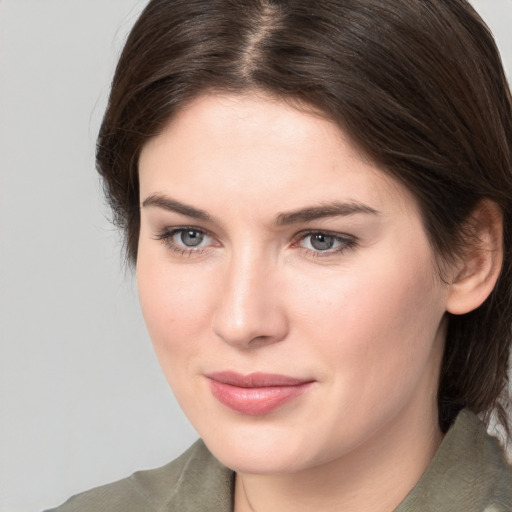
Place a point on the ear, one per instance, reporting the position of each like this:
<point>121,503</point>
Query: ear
<point>477,271</point>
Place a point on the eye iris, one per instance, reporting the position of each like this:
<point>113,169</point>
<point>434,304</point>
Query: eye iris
<point>322,242</point>
<point>191,238</point>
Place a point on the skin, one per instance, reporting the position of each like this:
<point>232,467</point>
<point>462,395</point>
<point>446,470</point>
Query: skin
<point>364,321</point>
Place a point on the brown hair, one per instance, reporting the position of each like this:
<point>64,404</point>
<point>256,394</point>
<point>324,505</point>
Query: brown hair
<point>417,84</point>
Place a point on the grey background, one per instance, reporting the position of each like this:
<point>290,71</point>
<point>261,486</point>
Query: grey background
<point>82,399</point>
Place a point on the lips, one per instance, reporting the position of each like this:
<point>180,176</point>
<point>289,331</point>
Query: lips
<point>256,393</point>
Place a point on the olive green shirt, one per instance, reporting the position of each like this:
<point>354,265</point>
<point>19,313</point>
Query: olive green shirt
<point>469,473</point>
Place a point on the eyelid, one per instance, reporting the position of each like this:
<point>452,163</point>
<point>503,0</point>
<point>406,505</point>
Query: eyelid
<point>327,232</point>
<point>348,242</point>
<point>166,236</point>
<point>170,231</point>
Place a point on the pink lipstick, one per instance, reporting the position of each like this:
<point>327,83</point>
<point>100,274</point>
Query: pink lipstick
<point>256,393</point>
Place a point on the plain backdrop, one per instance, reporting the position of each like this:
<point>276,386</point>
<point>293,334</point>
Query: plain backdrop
<point>82,399</point>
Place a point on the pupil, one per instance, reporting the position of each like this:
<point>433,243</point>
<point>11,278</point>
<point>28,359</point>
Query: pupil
<point>191,238</point>
<point>322,242</point>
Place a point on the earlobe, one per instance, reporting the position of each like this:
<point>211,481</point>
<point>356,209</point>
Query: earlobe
<point>479,268</point>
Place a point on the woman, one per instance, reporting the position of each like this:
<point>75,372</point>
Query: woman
<point>317,198</point>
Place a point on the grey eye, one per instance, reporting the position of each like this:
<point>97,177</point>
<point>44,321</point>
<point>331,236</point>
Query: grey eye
<point>191,238</point>
<point>322,242</point>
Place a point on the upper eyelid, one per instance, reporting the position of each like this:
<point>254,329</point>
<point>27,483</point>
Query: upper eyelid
<point>335,234</point>
<point>343,237</point>
<point>177,229</point>
<point>167,233</point>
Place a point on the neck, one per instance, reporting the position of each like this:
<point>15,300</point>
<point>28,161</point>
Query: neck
<point>374,477</point>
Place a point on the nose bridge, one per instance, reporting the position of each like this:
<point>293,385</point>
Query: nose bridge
<point>249,308</point>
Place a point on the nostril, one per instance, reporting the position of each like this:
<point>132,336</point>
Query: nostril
<point>252,329</point>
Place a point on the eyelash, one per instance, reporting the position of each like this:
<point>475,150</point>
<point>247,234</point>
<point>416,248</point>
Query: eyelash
<point>167,235</point>
<point>346,242</point>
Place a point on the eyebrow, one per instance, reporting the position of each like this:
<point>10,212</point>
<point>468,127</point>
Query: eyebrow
<point>175,206</point>
<point>334,209</point>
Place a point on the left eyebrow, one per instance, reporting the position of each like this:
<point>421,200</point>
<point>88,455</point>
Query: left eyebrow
<point>161,201</point>
<point>326,210</point>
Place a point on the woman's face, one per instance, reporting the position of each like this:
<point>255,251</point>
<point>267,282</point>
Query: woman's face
<point>288,286</point>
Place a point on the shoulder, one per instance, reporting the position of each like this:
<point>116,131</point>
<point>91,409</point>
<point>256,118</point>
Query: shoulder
<point>469,472</point>
<point>186,483</point>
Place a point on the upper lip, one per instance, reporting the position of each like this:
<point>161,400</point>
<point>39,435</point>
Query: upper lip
<point>255,380</point>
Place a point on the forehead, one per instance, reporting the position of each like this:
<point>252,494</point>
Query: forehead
<point>249,147</point>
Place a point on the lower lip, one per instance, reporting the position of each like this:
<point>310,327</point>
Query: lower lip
<point>258,400</point>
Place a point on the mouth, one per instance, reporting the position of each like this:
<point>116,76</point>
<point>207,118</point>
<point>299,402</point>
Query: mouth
<point>256,393</point>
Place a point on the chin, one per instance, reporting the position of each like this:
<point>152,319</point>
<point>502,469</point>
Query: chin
<point>258,461</point>
<point>262,449</point>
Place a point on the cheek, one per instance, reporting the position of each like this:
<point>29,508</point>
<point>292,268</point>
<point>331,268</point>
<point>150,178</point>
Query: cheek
<point>175,304</point>
<point>375,325</point>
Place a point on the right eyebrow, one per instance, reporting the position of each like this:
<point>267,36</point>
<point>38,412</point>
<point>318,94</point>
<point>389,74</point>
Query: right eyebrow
<point>335,209</point>
<point>161,201</point>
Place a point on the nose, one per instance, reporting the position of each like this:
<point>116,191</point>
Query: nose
<point>250,308</point>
